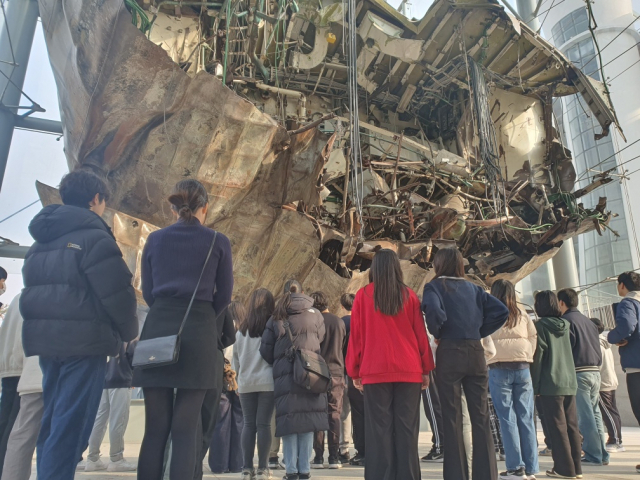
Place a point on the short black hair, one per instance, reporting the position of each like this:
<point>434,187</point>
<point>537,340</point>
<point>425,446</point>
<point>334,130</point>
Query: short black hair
<point>79,187</point>
<point>631,280</point>
<point>346,300</point>
<point>598,323</point>
<point>569,296</point>
<point>546,304</point>
<point>320,301</point>
<point>3,274</point>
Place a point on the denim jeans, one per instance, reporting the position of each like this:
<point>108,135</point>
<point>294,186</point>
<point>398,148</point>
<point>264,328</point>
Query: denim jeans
<point>512,394</point>
<point>297,450</point>
<point>71,392</point>
<point>114,411</point>
<point>257,409</point>
<point>590,418</point>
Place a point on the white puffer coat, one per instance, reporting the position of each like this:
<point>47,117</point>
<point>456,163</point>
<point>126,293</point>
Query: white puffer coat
<point>516,344</point>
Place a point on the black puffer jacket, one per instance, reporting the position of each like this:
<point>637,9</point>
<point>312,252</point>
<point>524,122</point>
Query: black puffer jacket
<point>78,298</point>
<point>295,413</point>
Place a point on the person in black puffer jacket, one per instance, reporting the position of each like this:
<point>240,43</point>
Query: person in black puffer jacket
<point>78,305</point>
<point>298,415</point>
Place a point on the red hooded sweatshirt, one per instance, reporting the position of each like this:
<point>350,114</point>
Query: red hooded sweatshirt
<point>384,349</point>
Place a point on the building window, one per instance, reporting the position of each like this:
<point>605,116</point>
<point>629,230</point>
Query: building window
<point>570,26</point>
<point>582,55</point>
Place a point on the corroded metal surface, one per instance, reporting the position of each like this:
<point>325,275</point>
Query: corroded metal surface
<point>449,157</point>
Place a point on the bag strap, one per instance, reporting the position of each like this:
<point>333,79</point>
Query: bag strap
<point>287,327</point>
<point>184,320</point>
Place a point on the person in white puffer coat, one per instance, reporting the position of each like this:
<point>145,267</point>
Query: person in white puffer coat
<point>11,360</point>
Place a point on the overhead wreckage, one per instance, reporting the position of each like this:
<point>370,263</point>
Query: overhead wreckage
<point>324,130</point>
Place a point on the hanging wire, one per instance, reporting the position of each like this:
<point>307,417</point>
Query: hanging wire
<point>635,19</point>
<point>19,211</point>
<point>629,208</point>
<point>586,172</point>
<point>545,18</point>
<point>13,57</point>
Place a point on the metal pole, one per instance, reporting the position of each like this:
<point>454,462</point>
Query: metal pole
<point>527,9</point>
<point>13,251</point>
<point>36,124</point>
<point>15,46</point>
<point>565,268</point>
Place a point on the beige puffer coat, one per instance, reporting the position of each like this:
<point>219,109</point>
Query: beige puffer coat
<point>516,344</point>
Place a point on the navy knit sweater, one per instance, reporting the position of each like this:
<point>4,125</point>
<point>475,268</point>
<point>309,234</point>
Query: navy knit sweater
<point>172,261</point>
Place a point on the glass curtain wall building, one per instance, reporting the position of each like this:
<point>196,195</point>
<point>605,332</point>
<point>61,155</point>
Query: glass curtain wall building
<point>598,256</point>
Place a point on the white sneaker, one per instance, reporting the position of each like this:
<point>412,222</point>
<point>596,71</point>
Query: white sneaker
<point>95,466</point>
<point>615,448</point>
<point>531,477</point>
<point>122,466</point>
<point>81,466</point>
<point>263,475</point>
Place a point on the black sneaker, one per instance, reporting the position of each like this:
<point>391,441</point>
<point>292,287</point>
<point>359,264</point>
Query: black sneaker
<point>344,457</point>
<point>274,463</point>
<point>317,464</point>
<point>334,463</point>
<point>304,476</point>
<point>518,474</point>
<point>434,456</point>
<point>357,461</point>
<point>291,476</point>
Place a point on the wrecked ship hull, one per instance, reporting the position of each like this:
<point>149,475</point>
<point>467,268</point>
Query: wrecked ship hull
<point>146,116</point>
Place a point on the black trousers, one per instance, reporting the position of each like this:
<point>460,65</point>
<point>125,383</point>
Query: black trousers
<point>433,412</point>
<point>461,364</point>
<point>561,417</point>
<point>9,408</point>
<point>356,398</point>
<point>633,387</point>
<point>392,426</point>
<point>545,430</point>
<point>208,420</point>
<point>334,396</point>
<point>611,416</point>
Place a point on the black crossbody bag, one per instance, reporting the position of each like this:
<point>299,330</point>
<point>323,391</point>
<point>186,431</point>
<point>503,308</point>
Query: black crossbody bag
<point>161,351</point>
<point>310,370</point>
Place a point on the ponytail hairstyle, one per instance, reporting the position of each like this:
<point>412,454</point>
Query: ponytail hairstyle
<point>281,313</point>
<point>504,291</point>
<point>188,196</point>
<point>389,292</point>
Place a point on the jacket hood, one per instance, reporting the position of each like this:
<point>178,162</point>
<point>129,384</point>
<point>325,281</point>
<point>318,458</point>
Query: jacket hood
<point>555,325</point>
<point>299,302</point>
<point>54,221</point>
<point>633,295</point>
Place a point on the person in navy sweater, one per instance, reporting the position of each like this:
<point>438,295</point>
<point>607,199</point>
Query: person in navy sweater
<point>459,315</point>
<point>172,261</point>
<point>626,335</point>
<point>389,357</point>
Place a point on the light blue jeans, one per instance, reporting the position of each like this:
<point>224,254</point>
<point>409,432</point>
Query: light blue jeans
<point>297,450</point>
<point>590,418</point>
<point>512,394</point>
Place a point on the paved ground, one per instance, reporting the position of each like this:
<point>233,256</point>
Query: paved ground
<point>622,465</point>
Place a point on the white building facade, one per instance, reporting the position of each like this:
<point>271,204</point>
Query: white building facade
<point>567,26</point>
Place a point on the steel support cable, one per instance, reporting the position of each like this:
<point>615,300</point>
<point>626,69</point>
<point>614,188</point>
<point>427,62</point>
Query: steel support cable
<point>33,102</point>
<point>633,223</point>
<point>13,56</point>
<point>586,172</point>
<point>19,211</point>
<point>545,17</point>
<point>625,70</point>
<point>635,19</point>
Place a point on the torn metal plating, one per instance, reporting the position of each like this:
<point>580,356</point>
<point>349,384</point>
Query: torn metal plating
<point>250,97</point>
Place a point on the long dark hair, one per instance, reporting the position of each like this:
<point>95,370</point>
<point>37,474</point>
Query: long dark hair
<point>281,312</point>
<point>448,262</point>
<point>546,304</point>
<point>504,291</point>
<point>187,197</point>
<point>390,292</point>
<point>238,313</point>
<point>259,309</point>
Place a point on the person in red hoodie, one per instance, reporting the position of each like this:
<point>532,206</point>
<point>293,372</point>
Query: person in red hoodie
<point>389,357</point>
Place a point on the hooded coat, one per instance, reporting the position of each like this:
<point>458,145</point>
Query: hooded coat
<point>78,298</point>
<point>553,371</point>
<point>295,412</point>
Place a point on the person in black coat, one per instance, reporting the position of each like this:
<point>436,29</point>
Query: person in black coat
<point>298,415</point>
<point>78,305</point>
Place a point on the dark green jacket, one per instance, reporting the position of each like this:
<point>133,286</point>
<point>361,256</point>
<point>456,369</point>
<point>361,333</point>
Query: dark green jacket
<point>553,371</point>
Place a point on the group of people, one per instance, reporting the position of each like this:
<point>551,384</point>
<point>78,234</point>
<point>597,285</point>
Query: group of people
<point>470,354</point>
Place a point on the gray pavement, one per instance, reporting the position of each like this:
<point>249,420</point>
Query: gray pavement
<point>622,465</point>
